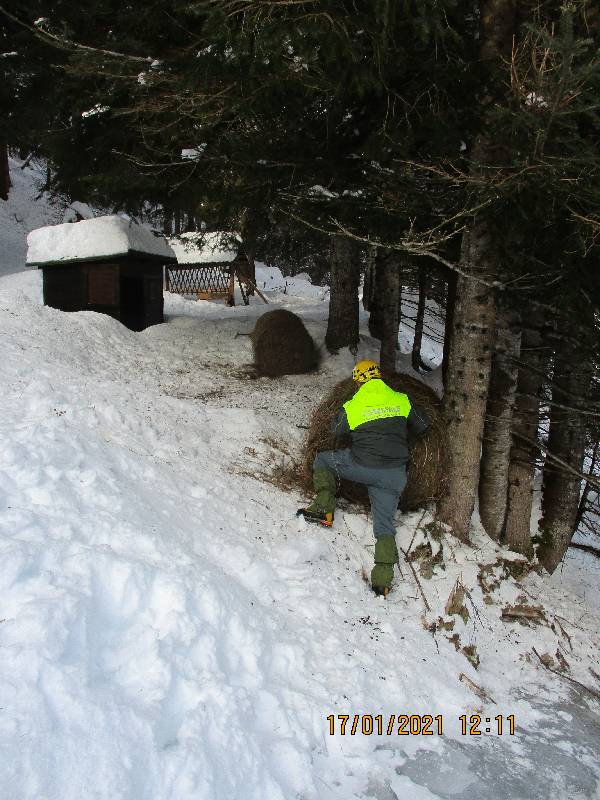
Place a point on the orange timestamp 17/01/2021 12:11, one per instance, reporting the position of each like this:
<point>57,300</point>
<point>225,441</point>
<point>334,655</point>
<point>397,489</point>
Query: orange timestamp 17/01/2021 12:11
<point>417,724</point>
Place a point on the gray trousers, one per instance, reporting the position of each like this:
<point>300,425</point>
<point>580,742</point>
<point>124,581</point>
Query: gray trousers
<point>384,484</point>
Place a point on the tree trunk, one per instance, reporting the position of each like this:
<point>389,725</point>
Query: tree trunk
<point>4,172</point>
<point>417,362</point>
<point>469,358</point>
<point>369,282</point>
<point>342,326</point>
<point>587,489</point>
<point>168,228</point>
<point>377,291</point>
<point>468,375</point>
<point>566,441</point>
<point>389,267</point>
<point>497,438</point>
<point>448,322</point>
<point>526,420</point>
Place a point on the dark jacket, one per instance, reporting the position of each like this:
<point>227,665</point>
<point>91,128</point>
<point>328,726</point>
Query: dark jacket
<point>382,442</point>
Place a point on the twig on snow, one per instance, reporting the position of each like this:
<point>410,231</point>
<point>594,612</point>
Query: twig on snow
<point>593,692</point>
<point>481,693</point>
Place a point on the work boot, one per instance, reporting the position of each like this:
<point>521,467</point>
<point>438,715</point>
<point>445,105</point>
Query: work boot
<point>319,517</point>
<point>386,555</point>
<point>322,507</point>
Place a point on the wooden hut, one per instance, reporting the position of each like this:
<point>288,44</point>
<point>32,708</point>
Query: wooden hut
<point>208,265</point>
<point>107,264</point>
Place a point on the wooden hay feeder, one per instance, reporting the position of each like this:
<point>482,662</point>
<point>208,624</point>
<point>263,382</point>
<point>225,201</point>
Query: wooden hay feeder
<point>106,264</point>
<point>427,465</point>
<point>282,345</point>
<point>208,265</point>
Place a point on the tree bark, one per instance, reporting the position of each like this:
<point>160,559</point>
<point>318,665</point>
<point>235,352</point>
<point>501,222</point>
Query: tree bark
<point>369,282</point>
<point>448,322</point>
<point>4,172</point>
<point>526,420</point>
<point>377,291</point>
<point>417,362</point>
<point>566,440</point>
<point>497,438</point>
<point>468,375</point>
<point>469,360</point>
<point>389,267</point>
<point>342,326</point>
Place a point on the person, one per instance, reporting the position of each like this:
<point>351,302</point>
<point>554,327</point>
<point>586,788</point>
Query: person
<point>379,421</point>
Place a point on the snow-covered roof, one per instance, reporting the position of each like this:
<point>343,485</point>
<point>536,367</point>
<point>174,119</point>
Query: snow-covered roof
<point>92,240</point>
<point>206,248</point>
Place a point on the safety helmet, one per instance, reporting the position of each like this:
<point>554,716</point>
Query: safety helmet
<point>365,370</point>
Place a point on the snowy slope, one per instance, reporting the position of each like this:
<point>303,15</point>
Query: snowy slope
<point>171,631</point>
<point>26,209</point>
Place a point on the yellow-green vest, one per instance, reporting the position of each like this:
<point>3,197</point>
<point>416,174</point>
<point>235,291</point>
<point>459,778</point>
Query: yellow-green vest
<point>375,400</point>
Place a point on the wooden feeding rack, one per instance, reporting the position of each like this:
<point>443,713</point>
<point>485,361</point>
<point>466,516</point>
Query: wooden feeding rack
<point>208,265</point>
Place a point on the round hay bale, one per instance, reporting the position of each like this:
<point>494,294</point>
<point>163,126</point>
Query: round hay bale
<point>282,345</point>
<point>427,464</point>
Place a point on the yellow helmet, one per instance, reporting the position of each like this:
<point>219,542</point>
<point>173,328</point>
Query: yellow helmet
<point>365,370</point>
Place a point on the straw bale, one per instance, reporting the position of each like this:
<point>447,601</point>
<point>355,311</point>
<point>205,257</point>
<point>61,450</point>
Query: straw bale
<point>282,345</point>
<point>427,465</point>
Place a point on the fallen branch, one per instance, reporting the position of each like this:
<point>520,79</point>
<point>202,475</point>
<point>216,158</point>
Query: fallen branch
<point>593,692</point>
<point>409,562</point>
<point>415,532</point>
<point>481,693</point>
<point>523,612</point>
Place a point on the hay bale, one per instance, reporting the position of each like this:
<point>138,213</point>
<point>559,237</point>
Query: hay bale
<point>427,470</point>
<point>282,345</point>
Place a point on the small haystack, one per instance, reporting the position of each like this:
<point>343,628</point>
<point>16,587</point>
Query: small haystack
<point>282,345</point>
<point>426,474</point>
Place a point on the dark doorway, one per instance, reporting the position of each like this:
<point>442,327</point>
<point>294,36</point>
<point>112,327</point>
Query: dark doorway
<point>132,302</point>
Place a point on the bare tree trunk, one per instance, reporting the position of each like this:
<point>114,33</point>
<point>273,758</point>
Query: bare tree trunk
<point>377,290</point>
<point>417,362</point>
<point>167,221</point>
<point>468,375</point>
<point>561,490</point>
<point>5,183</point>
<point>469,359</point>
<point>526,420</point>
<point>587,489</point>
<point>342,326</point>
<point>497,433</point>
<point>448,322</point>
<point>177,222</point>
<point>369,282</point>
<point>389,267</point>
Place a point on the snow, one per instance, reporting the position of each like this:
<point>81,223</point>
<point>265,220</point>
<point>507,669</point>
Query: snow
<point>100,237</point>
<point>95,110</point>
<point>170,630</point>
<point>204,248</point>
<point>193,153</point>
<point>27,208</point>
<point>320,191</point>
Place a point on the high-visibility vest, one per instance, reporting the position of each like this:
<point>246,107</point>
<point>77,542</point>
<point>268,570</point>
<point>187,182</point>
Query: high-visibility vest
<point>375,400</point>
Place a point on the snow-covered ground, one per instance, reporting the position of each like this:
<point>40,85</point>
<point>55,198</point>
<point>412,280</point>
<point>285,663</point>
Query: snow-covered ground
<point>26,209</point>
<point>169,630</point>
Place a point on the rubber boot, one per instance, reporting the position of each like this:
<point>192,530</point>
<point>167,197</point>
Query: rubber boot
<point>386,555</point>
<point>322,507</point>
